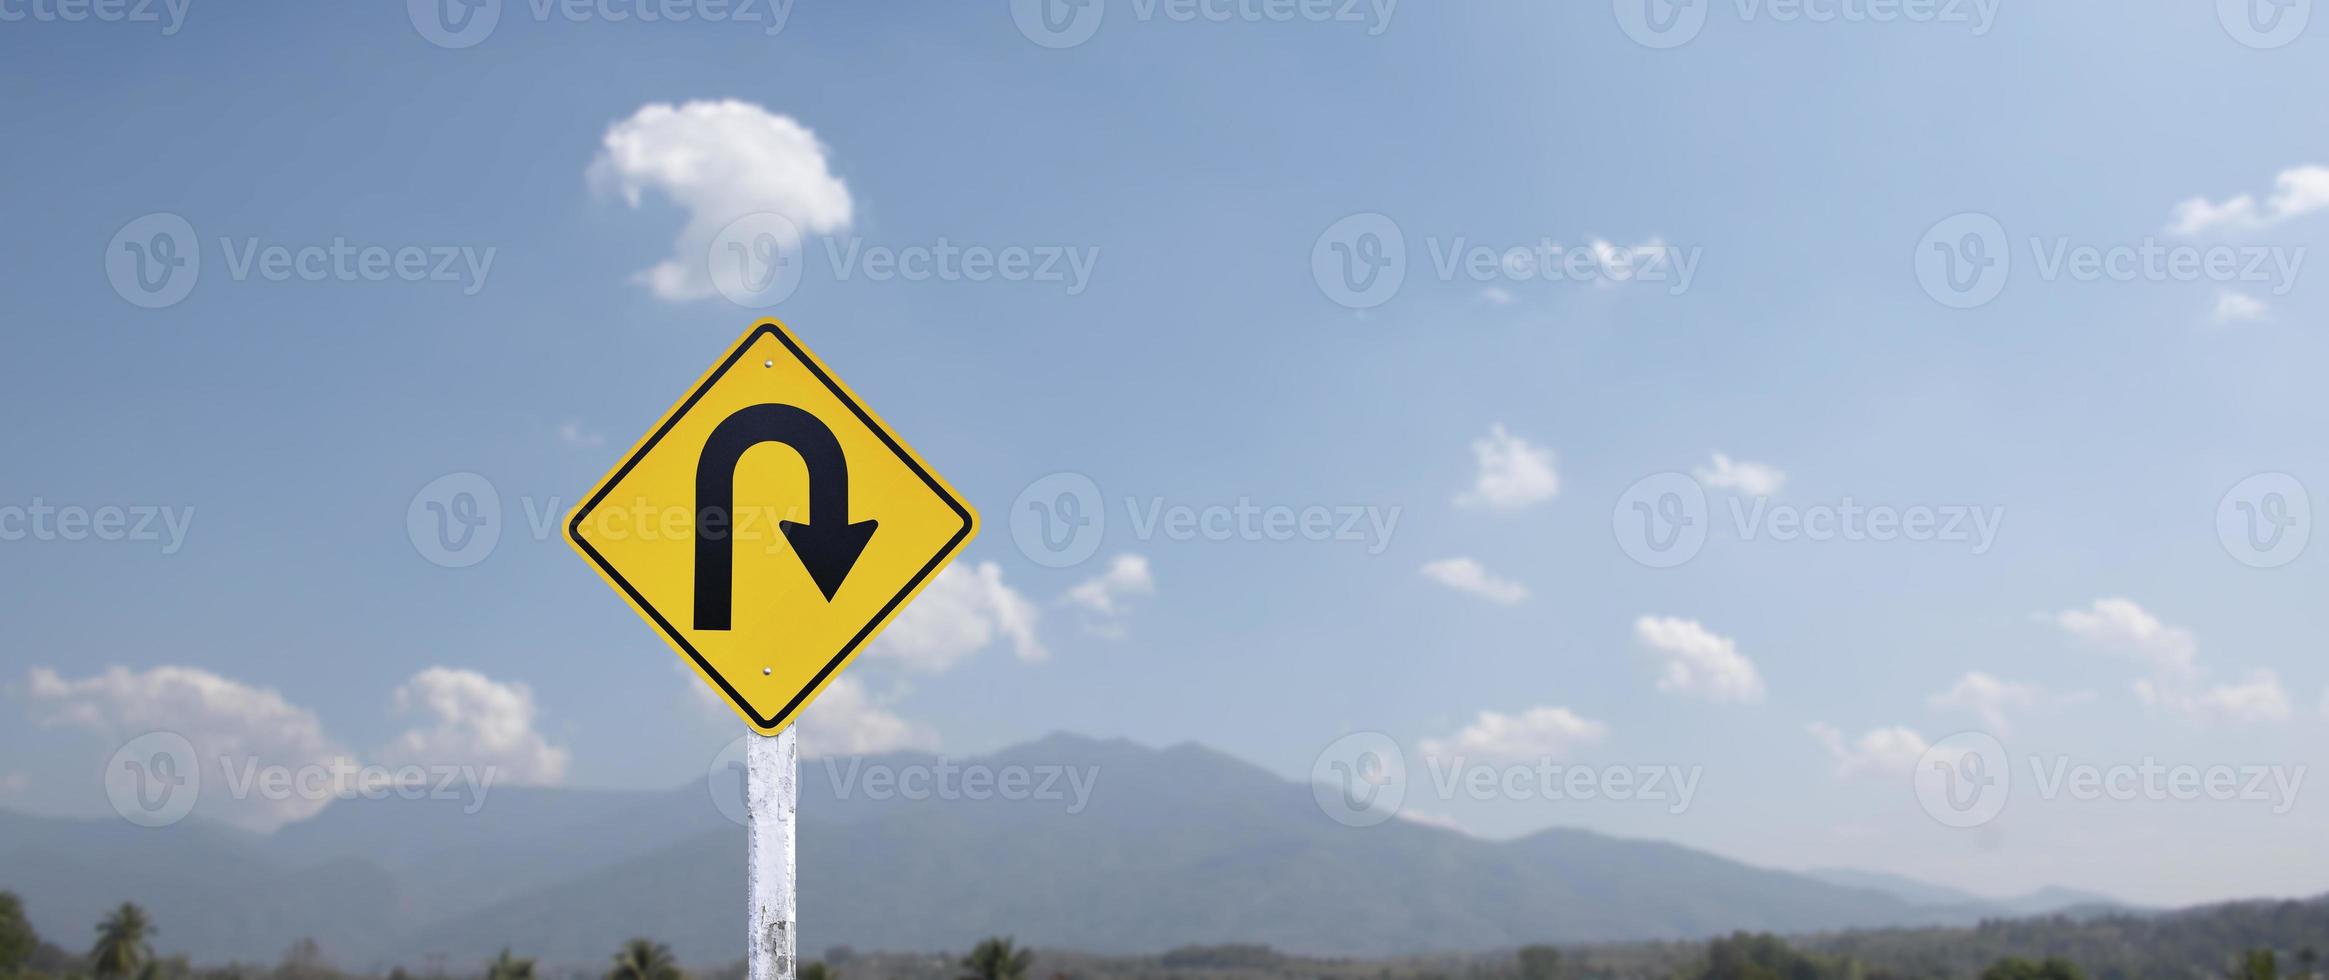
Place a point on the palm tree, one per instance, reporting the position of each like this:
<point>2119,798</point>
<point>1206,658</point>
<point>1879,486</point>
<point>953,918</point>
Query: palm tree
<point>122,944</point>
<point>997,959</point>
<point>644,959</point>
<point>507,967</point>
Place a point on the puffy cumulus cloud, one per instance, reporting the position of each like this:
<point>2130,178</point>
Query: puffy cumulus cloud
<point>473,720</point>
<point>2120,626</point>
<point>2258,698</point>
<point>1697,661</point>
<point>962,611</point>
<point>1878,752</point>
<point>1535,734</point>
<point>1511,473</point>
<point>2297,191</point>
<point>845,720</point>
<point>719,161</point>
<point>1467,575</point>
<point>1987,697</point>
<point>234,728</point>
<point>2177,686</point>
<point>1105,593</point>
<point>1752,479</point>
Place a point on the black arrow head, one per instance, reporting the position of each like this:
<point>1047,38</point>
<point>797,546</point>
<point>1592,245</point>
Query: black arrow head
<point>829,550</point>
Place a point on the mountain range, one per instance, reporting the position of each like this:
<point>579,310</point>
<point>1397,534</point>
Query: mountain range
<point>1173,846</point>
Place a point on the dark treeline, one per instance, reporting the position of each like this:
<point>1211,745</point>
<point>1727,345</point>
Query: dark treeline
<point>2241,941</point>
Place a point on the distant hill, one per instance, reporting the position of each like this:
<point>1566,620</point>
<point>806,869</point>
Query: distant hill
<point>1149,865</point>
<point>2044,901</point>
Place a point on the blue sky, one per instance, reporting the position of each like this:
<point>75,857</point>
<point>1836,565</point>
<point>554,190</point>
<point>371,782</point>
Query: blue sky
<point>1804,168</point>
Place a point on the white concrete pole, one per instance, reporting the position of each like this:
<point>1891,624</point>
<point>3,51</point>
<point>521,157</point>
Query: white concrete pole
<point>772,776</point>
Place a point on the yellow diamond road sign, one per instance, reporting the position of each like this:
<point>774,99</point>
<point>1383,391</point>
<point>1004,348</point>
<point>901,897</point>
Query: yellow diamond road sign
<point>770,526</point>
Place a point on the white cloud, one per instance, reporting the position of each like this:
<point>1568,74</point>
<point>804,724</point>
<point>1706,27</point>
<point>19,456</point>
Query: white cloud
<point>963,610</point>
<point>1538,733</point>
<point>2236,307</point>
<point>574,436</point>
<point>1987,697</point>
<point>1879,751</point>
<point>1105,593</point>
<point>2120,626</point>
<point>1752,479</point>
<point>1695,660</point>
<point>2177,685</point>
<point>1467,575</point>
<point>1620,263</point>
<point>222,718</point>
<point>1498,296</point>
<point>719,161</point>
<point>2259,698</point>
<point>1512,474</point>
<point>473,720</point>
<point>2296,191</point>
<point>845,720</point>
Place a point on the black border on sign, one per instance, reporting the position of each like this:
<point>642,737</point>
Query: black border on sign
<point>574,526</point>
